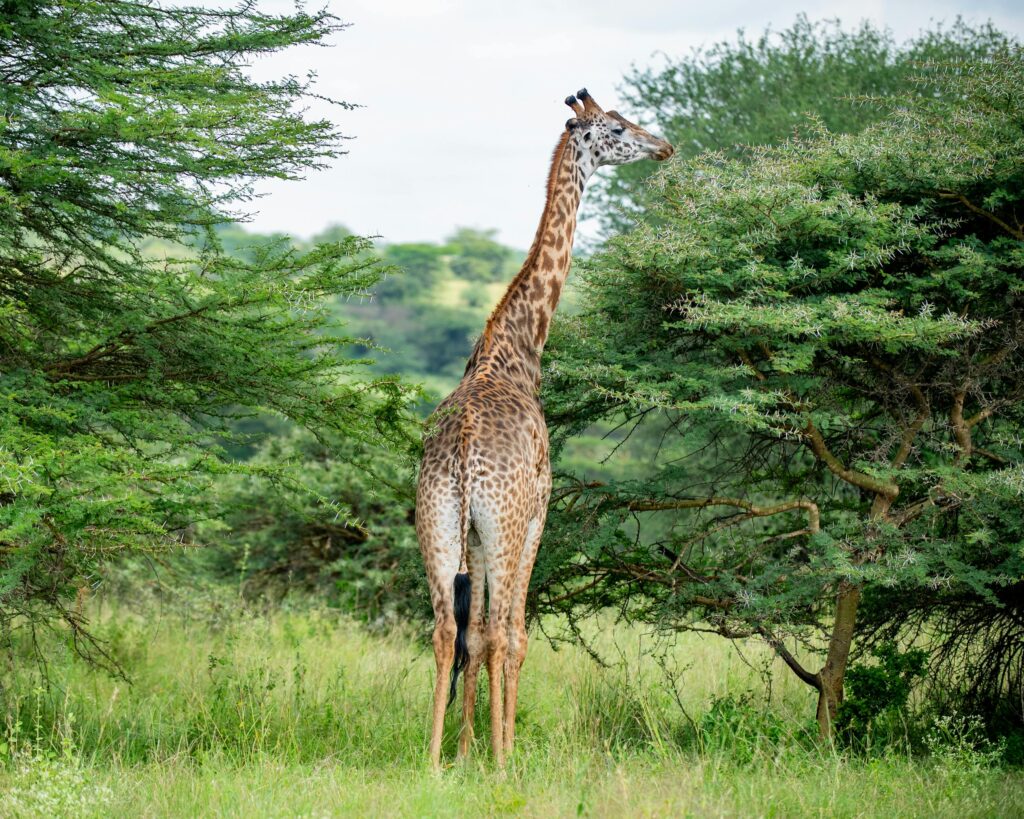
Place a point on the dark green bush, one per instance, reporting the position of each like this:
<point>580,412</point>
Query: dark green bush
<point>878,692</point>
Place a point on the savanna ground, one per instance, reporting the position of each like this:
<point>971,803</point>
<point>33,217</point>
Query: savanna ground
<point>303,712</point>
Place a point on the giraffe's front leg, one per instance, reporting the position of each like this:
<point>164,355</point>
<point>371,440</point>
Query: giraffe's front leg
<point>517,637</point>
<point>497,648</point>
<point>501,522</point>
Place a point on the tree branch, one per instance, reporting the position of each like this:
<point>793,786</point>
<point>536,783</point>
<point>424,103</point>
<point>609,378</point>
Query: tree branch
<point>924,410</point>
<point>959,197</point>
<point>817,445</point>
<point>907,439</point>
<point>978,417</point>
<point>813,514</point>
<point>746,359</point>
<point>961,429</point>
<point>779,648</point>
<point>574,592</point>
<point>119,341</point>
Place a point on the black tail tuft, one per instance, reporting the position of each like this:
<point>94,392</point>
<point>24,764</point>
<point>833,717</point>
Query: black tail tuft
<point>462,593</point>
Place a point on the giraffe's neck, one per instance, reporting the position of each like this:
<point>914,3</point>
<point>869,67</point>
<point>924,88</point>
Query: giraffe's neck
<point>517,330</point>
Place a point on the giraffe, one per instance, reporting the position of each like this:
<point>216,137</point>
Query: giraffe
<point>485,476</point>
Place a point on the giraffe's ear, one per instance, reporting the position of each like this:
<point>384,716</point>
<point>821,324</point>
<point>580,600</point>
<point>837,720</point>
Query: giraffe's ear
<point>571,124</point>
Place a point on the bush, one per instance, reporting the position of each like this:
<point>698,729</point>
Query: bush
<point>879,692</point>
<point>336,521</point>
<point>735,727</point>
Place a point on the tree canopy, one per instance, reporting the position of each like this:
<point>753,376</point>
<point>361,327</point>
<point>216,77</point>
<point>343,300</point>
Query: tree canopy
<point>829,337</point>
<point>124,122</point>
<point>758,91</point>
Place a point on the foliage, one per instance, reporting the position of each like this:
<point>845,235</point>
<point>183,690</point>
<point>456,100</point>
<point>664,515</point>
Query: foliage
<point>733,724</point>
<point>342,529</point>
<point>839,323</point>
<point>761,91</point>
<point>963,742</point>
<point>125,123</point>
<point>421,266</point>
<point>49,781</point>
<point>477,256</point>
<point>878,690</point>
<point>428,310</point>
<point>419,339</point>
<point>974,631</point>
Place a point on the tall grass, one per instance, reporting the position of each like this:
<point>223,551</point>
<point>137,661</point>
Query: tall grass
<point>304,713</point>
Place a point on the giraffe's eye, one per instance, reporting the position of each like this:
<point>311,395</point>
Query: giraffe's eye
<point>618,131</point>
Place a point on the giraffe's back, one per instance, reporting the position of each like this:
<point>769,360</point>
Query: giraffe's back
<point>499,426</point>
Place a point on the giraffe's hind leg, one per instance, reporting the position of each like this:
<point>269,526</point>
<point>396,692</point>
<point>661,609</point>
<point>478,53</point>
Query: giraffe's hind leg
<point>439,532</point>
<point>444,657</point>
<point>475,641</point>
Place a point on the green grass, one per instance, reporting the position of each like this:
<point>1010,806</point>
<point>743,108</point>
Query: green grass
<point>306,714</point>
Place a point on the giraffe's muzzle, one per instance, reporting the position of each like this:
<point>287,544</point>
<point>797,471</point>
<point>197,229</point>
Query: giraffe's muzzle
<point>663,153</point>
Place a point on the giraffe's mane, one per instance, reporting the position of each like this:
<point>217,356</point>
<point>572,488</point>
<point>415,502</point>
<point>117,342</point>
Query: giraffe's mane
<point>531,258</point>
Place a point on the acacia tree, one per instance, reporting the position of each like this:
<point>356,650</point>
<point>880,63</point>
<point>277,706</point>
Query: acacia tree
<point>758,91</point>
<point>125,121</point>
<point>843,319</point>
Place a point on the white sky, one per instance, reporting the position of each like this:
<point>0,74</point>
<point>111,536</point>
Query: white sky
<point>463,100</point>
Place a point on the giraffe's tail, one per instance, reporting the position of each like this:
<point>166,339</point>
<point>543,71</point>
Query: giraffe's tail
<point>463,586</point>
<point>463,589</point>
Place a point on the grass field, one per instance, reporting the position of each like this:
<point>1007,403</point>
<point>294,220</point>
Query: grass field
<point>304,714</point>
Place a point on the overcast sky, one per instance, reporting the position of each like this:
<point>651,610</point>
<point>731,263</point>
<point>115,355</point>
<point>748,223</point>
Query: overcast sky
<point>462,99</point>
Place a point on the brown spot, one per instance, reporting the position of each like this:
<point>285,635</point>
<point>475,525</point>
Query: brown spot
<point>555,287</point>
<point>542,330</point>
<point>546,262</point>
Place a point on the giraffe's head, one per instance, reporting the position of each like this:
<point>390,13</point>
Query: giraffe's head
<point>607,137</point>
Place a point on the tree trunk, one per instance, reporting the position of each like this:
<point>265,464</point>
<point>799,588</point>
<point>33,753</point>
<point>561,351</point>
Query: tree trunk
<point>833,673</point>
